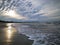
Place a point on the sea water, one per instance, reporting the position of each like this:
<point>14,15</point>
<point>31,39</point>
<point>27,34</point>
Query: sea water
<point>41,33</point>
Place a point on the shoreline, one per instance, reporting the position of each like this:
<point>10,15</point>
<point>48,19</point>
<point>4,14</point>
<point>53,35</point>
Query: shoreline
<point>17,39</point>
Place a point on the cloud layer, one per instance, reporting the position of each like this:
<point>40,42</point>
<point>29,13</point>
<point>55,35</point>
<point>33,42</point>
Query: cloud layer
<point>31,10</point>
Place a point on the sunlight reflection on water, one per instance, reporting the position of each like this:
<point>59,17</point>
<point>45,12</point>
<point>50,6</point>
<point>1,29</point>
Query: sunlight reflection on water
<point>9,32</point>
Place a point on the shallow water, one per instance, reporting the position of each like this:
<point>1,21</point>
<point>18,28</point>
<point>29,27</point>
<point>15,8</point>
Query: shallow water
<point>42,34</point>
<point>10,36</point>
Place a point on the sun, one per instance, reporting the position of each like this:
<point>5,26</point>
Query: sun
<point>13,14</point>
<point>10,13</point>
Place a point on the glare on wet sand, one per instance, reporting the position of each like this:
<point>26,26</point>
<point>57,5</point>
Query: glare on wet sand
<point>9,31</point>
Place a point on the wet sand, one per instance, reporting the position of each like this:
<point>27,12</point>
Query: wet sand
<point>17,39</point>
<point>24,33</point>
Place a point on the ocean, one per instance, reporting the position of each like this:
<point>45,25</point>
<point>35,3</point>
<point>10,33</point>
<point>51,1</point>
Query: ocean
<point>29,34</point>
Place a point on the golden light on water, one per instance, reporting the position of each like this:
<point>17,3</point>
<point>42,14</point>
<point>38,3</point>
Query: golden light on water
<point>9,35</point>
<point>9,32</point>
<point>9,24</point>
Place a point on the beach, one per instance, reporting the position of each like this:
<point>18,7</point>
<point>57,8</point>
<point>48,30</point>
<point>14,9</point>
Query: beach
<point>41,33</point>
<point>29,34</point>
<point>10,36</point>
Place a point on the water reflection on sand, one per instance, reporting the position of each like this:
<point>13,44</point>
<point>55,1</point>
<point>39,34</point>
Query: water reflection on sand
<point>10,36</point>
<point>7,33</point>
<point>42,34</point>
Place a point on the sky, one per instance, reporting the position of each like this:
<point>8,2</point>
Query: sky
<point>29,10</point>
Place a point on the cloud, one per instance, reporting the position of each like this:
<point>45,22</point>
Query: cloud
<point>11,15</point>
<point>37,10</point>
<point>51,9</point>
